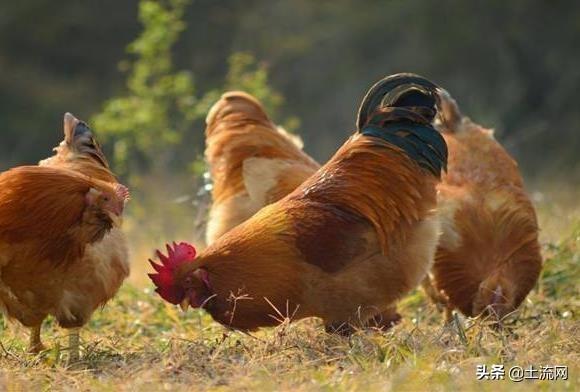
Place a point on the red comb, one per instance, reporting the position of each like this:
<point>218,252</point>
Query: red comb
<point>176,255</point>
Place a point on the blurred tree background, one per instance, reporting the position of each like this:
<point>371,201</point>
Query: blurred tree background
<point>145,73</point>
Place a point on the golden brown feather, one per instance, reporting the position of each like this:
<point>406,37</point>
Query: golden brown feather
<point>343,246</point>
<point>252,162</point>
<point>489,256</point>
<point>48,217</point>
<point>88,272</point>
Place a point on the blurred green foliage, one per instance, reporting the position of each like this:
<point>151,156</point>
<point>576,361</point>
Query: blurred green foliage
<point>161,107</point>
<point>153,128</point>
<point>510,65</point>
<point>561,272</point>
<point>159,102</point>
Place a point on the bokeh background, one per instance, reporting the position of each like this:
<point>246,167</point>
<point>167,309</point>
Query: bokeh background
<point>143,74</point>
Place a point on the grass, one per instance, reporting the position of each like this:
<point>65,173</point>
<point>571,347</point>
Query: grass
<point>139,343</point>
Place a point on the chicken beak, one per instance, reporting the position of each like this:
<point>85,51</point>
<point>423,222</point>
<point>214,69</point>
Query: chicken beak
<point>184,304</point>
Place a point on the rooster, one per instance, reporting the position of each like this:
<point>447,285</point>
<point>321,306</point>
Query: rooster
<point>346,244</point>
<point>94,275</point>
<point>252,161</point>
<point>488,258</point>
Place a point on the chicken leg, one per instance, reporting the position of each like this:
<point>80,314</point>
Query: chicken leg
<point>438,298</point>
<point>35,345</point>
<point>74,345</point>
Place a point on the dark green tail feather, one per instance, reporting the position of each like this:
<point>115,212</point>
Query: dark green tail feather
<point>416,143</point>
<point>400,110</point>
<point>385,92</point>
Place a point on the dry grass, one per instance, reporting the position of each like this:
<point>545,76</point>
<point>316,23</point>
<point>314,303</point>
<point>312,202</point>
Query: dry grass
<point>139,343</point>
